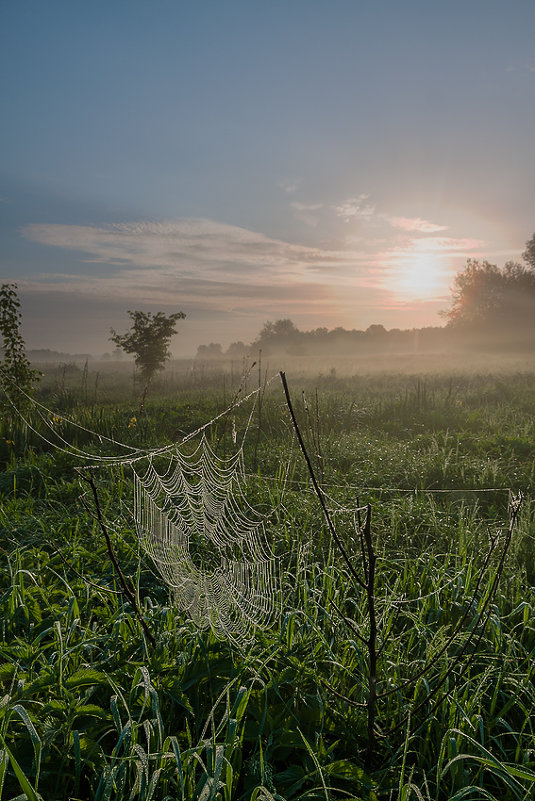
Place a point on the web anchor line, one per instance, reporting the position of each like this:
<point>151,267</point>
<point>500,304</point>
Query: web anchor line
<point>52,419</point>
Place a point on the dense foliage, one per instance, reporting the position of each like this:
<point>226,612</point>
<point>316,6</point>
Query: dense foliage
<point>90,710</point>
<point>486,297</point>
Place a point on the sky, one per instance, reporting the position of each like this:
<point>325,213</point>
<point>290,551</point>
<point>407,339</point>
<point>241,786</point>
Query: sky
<point>334,162</point>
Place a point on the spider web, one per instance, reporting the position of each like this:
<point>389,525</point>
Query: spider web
<point>208,544</point>
<point>191,517</point>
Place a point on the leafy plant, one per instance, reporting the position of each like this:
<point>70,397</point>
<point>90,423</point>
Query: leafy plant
<point>16,373</point>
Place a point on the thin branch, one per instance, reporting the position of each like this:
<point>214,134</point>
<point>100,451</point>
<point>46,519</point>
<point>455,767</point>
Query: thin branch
<point>80,576</point>
<point>349,623</point>
<point>234,401</point>
<point>317,489</point>
<point>341,696</point>
<point>361,540</point>
<point>127,590</point>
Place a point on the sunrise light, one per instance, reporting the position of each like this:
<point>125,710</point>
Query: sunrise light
<point>421,271</point>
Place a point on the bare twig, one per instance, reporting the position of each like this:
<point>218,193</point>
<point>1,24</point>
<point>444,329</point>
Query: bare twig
<point>348,622</point>
<point>234,401</point>
<point>80,576</point>
<point>127,590</point>
<point>342,697</point>
<point>317,489</point>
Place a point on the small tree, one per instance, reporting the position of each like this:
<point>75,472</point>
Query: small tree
<point>148,339</point>
<point>16,374</point>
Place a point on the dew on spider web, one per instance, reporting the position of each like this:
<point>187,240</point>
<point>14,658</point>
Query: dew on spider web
<point>208,544</point>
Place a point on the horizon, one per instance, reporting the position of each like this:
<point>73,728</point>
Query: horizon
<point>334,164</point>
<point>116,354</point>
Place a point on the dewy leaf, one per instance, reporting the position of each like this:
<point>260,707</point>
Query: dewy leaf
<point>25,785</point>
<point>85,678</point>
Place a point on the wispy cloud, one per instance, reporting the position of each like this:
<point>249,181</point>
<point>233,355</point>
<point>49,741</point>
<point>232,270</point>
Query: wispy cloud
<point>527,67</point>
<point>207,259</point>
<point>307,213</point>
<point>197,248</point>
<point>205,262</point>
<point>447,246</point>
<point>362,208</point>
<point>415,224</point>
<point>306,206</point>
<point>290,186</point>
<point>356,208</point>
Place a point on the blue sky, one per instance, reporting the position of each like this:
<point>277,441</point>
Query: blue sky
<point>333,162</point>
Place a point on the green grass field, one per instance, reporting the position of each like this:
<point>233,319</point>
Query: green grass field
<point>90,709</point>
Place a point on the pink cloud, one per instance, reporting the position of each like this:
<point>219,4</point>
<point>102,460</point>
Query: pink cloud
<point>416,224</point>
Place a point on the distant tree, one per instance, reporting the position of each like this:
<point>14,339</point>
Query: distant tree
<point>16,373</point>
<point>493,301</point>
<point>281,336</point>
<point>211,351</point>
<point>376,330</point>
<point>236,350</point>
<point>148,339</point>
<point>529,253</point>
<point>279,329</point>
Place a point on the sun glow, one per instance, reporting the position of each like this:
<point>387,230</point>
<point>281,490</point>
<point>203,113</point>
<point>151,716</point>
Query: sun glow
<point>419,273</point>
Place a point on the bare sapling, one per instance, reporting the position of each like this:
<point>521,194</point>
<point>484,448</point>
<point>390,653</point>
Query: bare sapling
<point>364,576</point>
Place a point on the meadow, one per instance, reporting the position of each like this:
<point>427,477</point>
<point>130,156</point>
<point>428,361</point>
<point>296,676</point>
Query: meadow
<point>90,708</point>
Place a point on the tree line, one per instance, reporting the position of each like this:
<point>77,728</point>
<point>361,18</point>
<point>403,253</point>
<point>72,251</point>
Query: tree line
<point>492,308</point>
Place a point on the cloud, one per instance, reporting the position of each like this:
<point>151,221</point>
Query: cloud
<point>290,186</point>
<point>415,224</point>
<point>306,206</point>
<point>527,67</point>
<point>305,212</point>
<point>361,208</point>
<point>198,262</point>
<point>356,207</point>
<point>208,262</point>
<point>189,247</point>
<point>448,246</point>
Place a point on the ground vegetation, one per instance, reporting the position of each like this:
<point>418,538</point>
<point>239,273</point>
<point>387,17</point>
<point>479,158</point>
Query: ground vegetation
<point>92,709</point>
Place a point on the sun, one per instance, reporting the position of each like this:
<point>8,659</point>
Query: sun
<point>418,274</point>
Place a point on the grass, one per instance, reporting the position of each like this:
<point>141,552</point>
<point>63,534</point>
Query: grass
<point>90,710</point>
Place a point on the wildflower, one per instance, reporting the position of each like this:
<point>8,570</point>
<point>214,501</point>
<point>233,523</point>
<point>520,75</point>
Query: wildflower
<point>132,423</point>
<point>10,442</point>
